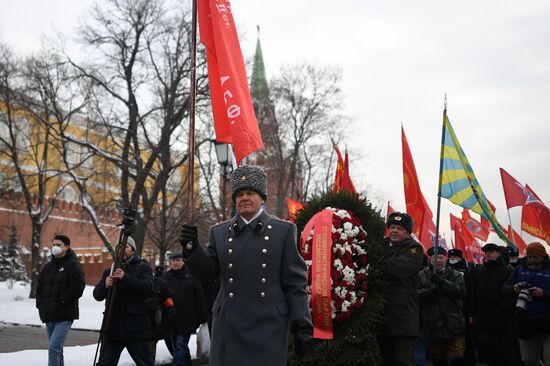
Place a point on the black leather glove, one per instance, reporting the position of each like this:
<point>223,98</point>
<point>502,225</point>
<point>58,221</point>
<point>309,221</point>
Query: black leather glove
<point>302,341</point>
<point>189,238</point>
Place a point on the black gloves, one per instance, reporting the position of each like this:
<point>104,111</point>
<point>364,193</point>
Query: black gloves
<point>302,341</point>
<point>189,238</point>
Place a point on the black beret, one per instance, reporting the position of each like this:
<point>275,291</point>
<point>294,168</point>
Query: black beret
<point>456,252</point>
<point>492,246</point>
<point>401,219</point>
<point>440,251</point>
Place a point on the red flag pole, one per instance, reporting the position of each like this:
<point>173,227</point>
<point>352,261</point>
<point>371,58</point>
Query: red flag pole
<point>192,97</point>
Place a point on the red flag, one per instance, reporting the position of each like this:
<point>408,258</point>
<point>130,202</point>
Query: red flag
<point>293,207</point>
<point>465,241</point>
<point>535,219</point>
<point>517,240</point>
<point>339,176</point>
<point>388,212</point>
<point>480,231</point>
<point>456,226</point>
<point>346,179</point>
<point>234,119</point>
<point>417,208</point>
<point>514,192</point>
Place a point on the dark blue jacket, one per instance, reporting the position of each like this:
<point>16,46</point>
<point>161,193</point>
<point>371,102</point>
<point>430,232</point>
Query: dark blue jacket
<point>536,278</point>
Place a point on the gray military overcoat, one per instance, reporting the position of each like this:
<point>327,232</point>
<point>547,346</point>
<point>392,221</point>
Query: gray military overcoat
<point>262,290</point>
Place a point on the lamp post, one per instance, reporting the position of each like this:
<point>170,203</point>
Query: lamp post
<point>223,153</point>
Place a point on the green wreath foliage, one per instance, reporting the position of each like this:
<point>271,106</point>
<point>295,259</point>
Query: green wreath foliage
<point>354,341</point>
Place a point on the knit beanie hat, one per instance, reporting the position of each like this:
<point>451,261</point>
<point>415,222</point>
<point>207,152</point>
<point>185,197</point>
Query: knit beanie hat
<point>249,177</point>
<point>401,219</point>
<point>536,248</point>
<point>131,243</point>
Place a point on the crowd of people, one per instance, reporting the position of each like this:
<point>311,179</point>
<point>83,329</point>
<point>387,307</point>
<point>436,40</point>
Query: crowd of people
<point>496,313</point>
<point>249,285</point>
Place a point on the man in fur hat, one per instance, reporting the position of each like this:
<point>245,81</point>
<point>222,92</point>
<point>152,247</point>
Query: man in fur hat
<point>403,260</point>
<point>262,279</point>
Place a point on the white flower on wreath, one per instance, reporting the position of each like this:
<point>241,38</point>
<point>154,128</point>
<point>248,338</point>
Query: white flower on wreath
<point>349,275</point>
<point>348,226</point>
<point>345,305</point>
<point>338,264</point>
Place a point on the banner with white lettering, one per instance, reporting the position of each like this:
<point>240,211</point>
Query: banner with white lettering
<point>234,119</point>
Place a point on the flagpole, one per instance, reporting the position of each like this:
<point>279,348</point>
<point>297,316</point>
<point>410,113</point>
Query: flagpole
<point>435,243</point>
<point>511,227</point>
<point>192,97</point>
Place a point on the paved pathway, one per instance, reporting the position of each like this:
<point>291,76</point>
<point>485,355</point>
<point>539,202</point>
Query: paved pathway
<point>14,337</point>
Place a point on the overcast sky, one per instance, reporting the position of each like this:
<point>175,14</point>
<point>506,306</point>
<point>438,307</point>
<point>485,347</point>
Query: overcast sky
<point>399,58</point>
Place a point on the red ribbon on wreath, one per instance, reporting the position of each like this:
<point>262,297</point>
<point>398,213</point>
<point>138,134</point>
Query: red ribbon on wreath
<point>321,263</point>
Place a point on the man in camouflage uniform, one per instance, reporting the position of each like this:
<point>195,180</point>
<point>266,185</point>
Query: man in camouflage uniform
<point>403,260</point>
<point>440,296</point>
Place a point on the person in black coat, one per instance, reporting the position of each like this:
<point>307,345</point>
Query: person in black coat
<point>492,311</point>
<point>60,284</point>
<point>132,321</point>
<point>190,305</point>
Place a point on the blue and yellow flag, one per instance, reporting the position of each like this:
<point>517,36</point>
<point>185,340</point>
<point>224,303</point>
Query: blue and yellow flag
<point>459,183</point>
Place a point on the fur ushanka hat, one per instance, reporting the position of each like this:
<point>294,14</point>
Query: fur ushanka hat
<point>249,177</point>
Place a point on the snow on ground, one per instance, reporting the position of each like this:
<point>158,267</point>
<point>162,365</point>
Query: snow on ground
<point>16,307</point>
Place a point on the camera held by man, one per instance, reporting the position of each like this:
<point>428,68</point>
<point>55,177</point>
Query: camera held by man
<point>530,282</point>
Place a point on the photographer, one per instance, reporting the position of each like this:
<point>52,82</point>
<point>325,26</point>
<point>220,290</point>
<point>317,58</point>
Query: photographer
<point>131,326</point>
<point>531,283</point>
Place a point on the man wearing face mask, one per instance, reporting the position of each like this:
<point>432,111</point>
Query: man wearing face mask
<point>513,256</point>
<point>440,296</point>
<point>530,282</point>
<point>60,285</point>
<point>492,309</point>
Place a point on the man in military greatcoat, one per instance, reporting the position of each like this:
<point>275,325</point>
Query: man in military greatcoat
<point>402,261</point>
<point>262,279</point>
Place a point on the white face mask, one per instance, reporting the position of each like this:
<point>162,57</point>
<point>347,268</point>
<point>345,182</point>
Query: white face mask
<point>56,251</point>
<point>454,261</point>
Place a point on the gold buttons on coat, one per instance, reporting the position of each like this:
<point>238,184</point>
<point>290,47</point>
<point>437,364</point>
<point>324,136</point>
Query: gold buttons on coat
<point>262,294</point>
<point>229,251</point>
<point>264,280</point>
<point>230,239</point>
<point>269,226</point>
<point>266,237</point>
<point>231,280</point>
<point>231,295</point>
<point>264,251</point>
<point>264,265</point>
<point>230,265</point>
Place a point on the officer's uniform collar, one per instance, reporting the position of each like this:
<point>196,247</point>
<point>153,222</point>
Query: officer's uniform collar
<point>258,225</point>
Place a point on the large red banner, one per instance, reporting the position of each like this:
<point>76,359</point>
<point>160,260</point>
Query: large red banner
<point>234,119</point>
<point>417,207</point>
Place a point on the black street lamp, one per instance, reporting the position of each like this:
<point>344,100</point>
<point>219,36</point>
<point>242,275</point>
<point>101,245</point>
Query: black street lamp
<point>223,153</point>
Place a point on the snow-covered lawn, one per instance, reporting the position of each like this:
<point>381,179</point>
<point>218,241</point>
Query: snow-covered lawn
<point>16,307</point>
